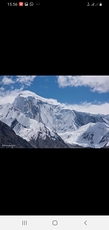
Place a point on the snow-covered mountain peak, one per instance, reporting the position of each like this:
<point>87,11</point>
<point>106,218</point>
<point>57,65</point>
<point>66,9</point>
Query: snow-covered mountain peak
<point>33,96</point>
<point>53,114</point>
<point>27,128</point>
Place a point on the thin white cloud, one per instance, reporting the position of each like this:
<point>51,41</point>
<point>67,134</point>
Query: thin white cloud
<point>94,108</point>
<point>26,80</point>
<point>9,96</point>
<point>2,88</point>
<point>98,84</point>
<point>91,108</point>
<point>7,80</point>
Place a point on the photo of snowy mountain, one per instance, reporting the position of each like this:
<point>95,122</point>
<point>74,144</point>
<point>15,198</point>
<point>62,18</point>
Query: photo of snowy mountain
<point>54,111</point>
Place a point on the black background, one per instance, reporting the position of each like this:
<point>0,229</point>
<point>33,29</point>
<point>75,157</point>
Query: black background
<point>51,182</point>
<point>54,41</point>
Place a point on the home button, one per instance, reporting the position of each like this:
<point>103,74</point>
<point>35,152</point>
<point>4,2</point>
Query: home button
<point>54,222</point>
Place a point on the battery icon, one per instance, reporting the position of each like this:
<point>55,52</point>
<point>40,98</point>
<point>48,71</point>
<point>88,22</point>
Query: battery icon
<point>26,3</point>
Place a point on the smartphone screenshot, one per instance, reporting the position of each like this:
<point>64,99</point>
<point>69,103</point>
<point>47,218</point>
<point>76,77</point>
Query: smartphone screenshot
<point>54,118</point>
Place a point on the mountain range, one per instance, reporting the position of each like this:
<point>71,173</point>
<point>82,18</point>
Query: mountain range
<point>46,123</point>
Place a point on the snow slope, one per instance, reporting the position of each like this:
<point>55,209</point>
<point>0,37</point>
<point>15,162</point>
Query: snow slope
<point>94,135</point>
<point>24,126</point>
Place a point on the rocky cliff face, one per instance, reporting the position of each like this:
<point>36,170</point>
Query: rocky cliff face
<point>8,138</point>
<point>48,142</point>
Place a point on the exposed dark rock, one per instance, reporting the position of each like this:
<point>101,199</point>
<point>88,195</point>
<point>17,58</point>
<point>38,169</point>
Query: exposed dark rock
<point>14,123</point>
<point>48,142</point>
<point>8,138</point>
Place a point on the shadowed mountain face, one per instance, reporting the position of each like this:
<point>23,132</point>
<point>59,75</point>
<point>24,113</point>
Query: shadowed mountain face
<point>8,138</point>
<point>48,142</point>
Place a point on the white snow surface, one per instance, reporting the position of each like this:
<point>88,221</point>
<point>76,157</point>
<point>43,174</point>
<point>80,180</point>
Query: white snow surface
<point>88,135</point>
<point>107,144</point>
<point>35,114</point>
<point>29,94</point>
<point>26,127</point>
<point>53,114</point>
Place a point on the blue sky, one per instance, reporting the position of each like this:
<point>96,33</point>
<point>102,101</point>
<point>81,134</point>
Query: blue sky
<point>83,92</point>
<point>48,87</point>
